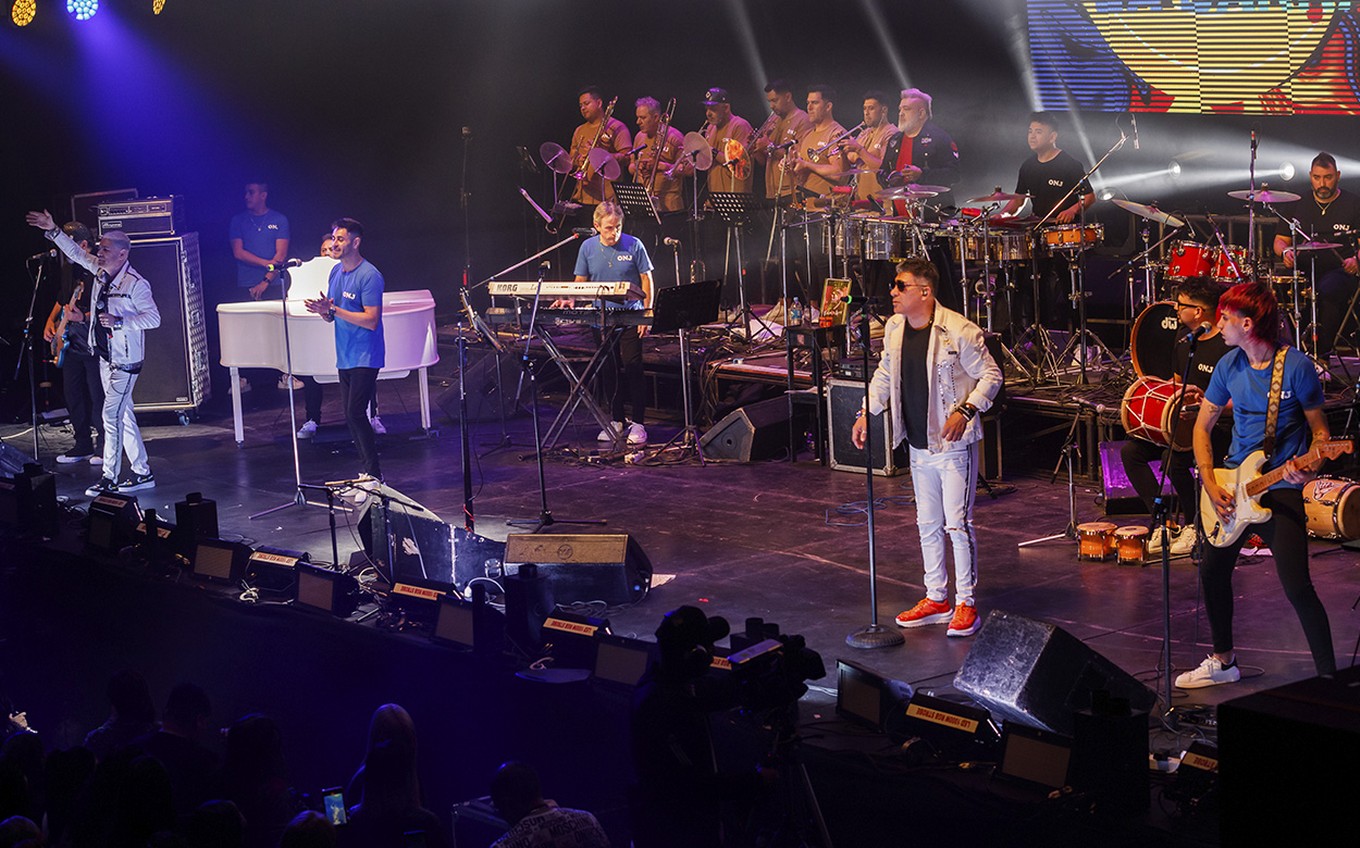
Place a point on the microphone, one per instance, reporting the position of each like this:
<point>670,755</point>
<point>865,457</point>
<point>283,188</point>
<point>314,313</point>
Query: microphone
<point>1195,334</point>
<point>44,255</point>
<point>786,145</point>
<point>584,231</point>
<point>287,263</point>
<point>638,149</point>
<point>1253,139</point>
<point>859,299</point>
<point>671,242</point>
<point>1081,401</point>
<point>1133,122</point>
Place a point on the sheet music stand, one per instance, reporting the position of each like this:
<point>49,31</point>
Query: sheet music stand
<point>635,200</point>
<point>735,210</point>
<point>683,308</point>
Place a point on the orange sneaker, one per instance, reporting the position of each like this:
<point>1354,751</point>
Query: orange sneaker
<point>925,612</point>
<point>965,621</point>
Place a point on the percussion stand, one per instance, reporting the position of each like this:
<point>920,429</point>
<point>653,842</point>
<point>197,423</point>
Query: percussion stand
<point>1083,337</point>
<point>1294,232</point>
<point>1072,445</point>
<point>734,209</point>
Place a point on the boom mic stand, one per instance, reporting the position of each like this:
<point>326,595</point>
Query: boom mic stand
<point>26,350</point>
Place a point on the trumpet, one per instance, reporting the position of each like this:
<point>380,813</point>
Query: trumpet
<point>765,128</point>
<point>814,155</point>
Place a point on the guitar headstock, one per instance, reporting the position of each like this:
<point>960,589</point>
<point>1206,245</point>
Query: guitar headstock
<point>1332,448</point>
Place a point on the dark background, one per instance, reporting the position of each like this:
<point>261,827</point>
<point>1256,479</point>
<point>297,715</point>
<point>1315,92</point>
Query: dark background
<point>352,107</point>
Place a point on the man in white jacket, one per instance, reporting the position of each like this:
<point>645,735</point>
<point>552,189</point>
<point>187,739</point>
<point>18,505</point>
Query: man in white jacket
<point>123,311</point>
<point>937,378</point>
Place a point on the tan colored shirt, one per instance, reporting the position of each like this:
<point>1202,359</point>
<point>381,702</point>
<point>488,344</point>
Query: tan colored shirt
<point>876,142</point>
<point>810,180</point>
<point>792,127</point>
<point>616,139</point>
<point>722,177</point>
<point>668,191</point>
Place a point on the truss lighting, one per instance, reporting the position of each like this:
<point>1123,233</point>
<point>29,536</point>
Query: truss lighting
<point>23,12</point>
<point>82,10</point>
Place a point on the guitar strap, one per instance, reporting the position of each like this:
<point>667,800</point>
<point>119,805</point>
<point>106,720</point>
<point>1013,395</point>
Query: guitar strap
<point>1273,406</point>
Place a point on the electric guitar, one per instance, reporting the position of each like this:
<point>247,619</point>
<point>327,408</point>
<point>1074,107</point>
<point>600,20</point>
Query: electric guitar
<point>1247,485</point>
<point>60,341</point>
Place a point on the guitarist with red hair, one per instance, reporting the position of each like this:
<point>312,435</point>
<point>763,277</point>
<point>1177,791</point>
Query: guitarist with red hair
<point>1258,368</point>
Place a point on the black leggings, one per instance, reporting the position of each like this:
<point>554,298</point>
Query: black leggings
<point>1286,534</point>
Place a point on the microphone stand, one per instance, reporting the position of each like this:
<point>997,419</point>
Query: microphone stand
<point>26,349</point>
<point>1070,446</point>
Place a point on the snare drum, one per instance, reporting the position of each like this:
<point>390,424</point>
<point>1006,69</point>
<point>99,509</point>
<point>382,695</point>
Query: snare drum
<point>1154,339</point>
<point>1332,507</point>
<point>1226,260</point>
<point>1130,544</point>
<point>1147,409</point>
<point>1188,259</point>
<point>1072,236</point>
<point>1095,541</point>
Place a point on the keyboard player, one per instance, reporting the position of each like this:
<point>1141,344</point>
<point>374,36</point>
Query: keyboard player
<point>614,256</point>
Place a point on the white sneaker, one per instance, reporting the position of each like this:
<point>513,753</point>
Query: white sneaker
<point>243,385</point>
<point>96,459</point>
<point>1211,672</point>
<point>1184,542</point>
<point>378,428</point>
<point>307,430</point>
<point>615,428</point>
<point>68,458</point>
<point>1154,545</point>
<point>283,383</point>
<point>365,485</point>
<point>637,435</point>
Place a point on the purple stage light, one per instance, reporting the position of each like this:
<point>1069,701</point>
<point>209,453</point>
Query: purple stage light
<point>83,10</point>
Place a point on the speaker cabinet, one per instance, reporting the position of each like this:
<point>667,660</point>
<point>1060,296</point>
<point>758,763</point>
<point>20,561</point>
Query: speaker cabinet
<point>490,380</point>
<point>609,567</point>
<point>756,432</point>
<point>1039,675</point>
<point>423,545</point>
<point>843,399</point>
<point>175,374</point>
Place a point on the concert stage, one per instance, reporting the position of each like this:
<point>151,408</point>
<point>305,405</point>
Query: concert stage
<point>782,541</point>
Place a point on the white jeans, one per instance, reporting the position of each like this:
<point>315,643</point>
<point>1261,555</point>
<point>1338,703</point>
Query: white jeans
<point>120,423</point>
<point>945,485</point>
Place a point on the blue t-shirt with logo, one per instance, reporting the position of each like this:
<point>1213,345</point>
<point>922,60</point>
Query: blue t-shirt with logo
<point>626,260</point>
<point>257,234</point>
<point>355,346</point>
<point>1249,390</point>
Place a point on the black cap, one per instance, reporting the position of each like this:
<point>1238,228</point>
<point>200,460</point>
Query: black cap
<point>714,96</point>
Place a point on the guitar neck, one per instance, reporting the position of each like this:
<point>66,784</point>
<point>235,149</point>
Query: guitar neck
<point>1270,478</point>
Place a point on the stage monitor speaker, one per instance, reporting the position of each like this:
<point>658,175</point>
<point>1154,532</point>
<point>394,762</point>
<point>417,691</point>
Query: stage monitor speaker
<point>844,399</point>
<point>584,567</point>
<point>174,375</point>
<point>110,522</point>
<point>757,431</point>
<point>13,460</point>
<point>1037,674</point>
<point>28,502</point>
<point>423,544</point>
<point>491,380</point>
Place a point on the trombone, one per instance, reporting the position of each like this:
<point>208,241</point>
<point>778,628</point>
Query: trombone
<point>814,155</point>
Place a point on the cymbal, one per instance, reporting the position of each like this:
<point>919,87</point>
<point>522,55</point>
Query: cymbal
<point>696,146</point>
<point>1265,195</point>
<point>554,157</point>
<point>1150,212</point>
<point>1318,245</point>
<point>997,196</point>
<point>909,192</point>
<point>605,164</point>
<point>853,171</point>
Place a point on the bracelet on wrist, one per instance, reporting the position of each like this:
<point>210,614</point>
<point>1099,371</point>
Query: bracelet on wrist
<point>966,411</point>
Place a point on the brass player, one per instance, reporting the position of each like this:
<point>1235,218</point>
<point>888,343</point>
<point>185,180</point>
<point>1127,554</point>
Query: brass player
<point>785,130</point>
<point>611,135</point>
<point>724,131</point>
<point>866,150</point>
<point>816,166</point>
<point>665,176</point>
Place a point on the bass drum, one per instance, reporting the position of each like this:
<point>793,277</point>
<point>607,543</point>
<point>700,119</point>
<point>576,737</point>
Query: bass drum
<point>1154,341</point>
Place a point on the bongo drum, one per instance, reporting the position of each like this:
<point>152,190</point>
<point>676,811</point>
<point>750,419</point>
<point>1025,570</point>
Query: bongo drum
<point>1130,545</point>
<point>1095,540</point>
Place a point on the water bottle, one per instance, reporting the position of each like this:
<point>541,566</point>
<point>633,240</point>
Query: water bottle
<point>796,314</point>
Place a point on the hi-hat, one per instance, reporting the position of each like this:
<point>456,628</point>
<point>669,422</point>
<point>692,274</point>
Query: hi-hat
<point>696,147</point>
<point>604,164</point>
<point>554,157</point>
<point>997,196</point>
<point>1150,212</point>
<point>1318,245</point>
<point>1265,195</point>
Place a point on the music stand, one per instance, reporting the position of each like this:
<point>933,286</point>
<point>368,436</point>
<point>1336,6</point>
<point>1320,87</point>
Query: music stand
<point>683,308</point>
<point>735,208</point>
<point>636,201</point>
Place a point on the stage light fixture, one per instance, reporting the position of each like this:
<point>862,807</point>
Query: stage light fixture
<point>1174,169</point>
<point>1287,171</point>
<point>157,6</point>
<point>83,10</point>
<point>1107,194</point>
<point>23,12</point>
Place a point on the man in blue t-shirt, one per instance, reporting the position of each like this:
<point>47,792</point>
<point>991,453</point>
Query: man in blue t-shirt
<point>354,305</point>
<point>613,256</point>
<point>259,238</point>
<point>1249,322</point>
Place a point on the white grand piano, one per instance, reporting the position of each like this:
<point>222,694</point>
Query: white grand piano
<point>253,337</point>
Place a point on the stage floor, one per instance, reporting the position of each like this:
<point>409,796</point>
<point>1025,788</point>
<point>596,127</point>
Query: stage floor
<point>783,541</point>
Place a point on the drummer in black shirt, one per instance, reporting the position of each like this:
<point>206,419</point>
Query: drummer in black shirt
<point>1047,177</point>
<point>1196,304</point>
<point>1328,215</point>
<point>79,366</point>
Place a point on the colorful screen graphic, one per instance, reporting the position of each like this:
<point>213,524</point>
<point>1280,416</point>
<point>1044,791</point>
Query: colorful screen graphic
<point>1277,57</point>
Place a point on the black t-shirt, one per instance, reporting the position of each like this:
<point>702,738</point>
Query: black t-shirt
<point>1207,353</point>
<point>70,275</point>
<point>915,384</point>
<point>1338,221</point>
<point>1047,182</point>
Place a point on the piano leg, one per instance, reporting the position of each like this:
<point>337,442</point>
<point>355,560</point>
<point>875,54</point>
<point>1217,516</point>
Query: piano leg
<point>425,398</point>
<point>236,405</point>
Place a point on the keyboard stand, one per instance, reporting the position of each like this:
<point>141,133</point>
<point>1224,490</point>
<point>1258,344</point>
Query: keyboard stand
<point>580,387</point>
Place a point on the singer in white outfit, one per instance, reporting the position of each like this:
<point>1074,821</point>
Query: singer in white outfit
<point>937,377</point>
<point>123,311</point>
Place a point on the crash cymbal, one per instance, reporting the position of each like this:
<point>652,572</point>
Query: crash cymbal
<point>696,147</point>
<point>909,192</point>
<point>1265,195</point>
<point>997,196</point>
<point>851,172</point>
<point>605,164</point>
<point>554,157</point>
<point>1150,212</point>
<point>1318,245</point>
